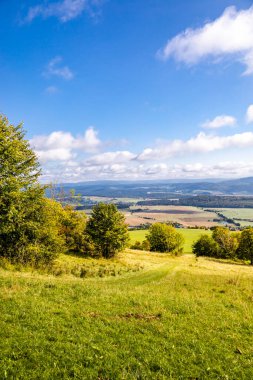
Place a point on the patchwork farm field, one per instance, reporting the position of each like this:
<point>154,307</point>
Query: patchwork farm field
<point>190,235</point>
<point>188,216</point>
<point>176,318</point>
<point>244,216</point>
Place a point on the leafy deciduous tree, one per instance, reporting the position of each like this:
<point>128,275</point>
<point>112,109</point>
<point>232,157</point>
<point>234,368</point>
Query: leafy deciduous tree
<point>205,246</point>
<point>245,249</point>
<point>72,227</point>
<point>107,230</point>
<point>228,243</point>
<point>164,238</point>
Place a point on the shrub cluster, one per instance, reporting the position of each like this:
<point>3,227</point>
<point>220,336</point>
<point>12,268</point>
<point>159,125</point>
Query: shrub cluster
<point>226,244</point>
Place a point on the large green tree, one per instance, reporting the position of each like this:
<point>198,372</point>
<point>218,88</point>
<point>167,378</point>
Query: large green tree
<point>107,230</point>
<point>28,233</point>
<point>227,242</point>
<point>164,238</point>
<point>245,249</point>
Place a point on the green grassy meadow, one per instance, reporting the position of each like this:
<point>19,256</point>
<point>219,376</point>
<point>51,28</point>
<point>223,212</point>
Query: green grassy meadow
<point>175,318</point>
<point>190,236</point>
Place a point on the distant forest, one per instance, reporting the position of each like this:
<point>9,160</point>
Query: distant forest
<point>236,193</point>
<point>203,201</point>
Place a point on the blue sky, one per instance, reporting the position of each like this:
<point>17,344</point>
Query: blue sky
<point>136,89</point>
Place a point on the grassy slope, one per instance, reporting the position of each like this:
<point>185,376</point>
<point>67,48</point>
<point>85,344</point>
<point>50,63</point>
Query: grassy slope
<point>178,318</point>
<point>189,234</point>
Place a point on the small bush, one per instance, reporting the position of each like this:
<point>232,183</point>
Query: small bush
<point>205,246</point>
<point>142,246</point>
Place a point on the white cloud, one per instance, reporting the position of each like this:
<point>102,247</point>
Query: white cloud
<point>249,114</point>
<point>89,141</point>
<point>53,147</point>
<point>229,35</point>
<point>54,154</point>
<point>63,146</point>
<point>202,143</point>
<point>54,68</point>
<point>64,10</point>
<point>156,169</point>
<point>70,158</point>
<point>76,172</point>
<point>219,122</point>
<point>53,140</point>
<point>225,169</point>
<point>111,157</point>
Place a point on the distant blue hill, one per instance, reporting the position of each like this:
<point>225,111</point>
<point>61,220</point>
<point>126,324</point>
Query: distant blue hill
<point>161,189</point>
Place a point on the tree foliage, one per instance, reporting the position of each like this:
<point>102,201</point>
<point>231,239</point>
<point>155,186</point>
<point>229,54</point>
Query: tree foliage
<point>28,230</point>
<point>107,230</point>
<point>227,242</point>
<point>72,228</point>
<point>245,249</point>
<point>19,167</point>
<point>205,246</point>
<point>164,238</point>
<point>142,246</point>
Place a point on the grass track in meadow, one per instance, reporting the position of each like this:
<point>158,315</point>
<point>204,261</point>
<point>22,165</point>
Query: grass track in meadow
<point>179,318</point>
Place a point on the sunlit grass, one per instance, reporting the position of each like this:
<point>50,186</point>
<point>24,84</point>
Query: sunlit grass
<point>178,318</point>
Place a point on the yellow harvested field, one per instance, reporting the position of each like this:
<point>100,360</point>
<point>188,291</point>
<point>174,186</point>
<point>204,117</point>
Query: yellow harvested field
<point>188,216</point>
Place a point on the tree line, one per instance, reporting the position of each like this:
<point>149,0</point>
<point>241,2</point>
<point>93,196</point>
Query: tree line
<point>226,244</point>
<point>211,201</point>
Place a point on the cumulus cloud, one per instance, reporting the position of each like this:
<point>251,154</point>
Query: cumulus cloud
<point>89,142</point>
<point>156,169</point>
<point>54,154</point>
<point>225,169</point>
<point>62,146</point>
<point>54,68</point>
<point>202,143</point>
<point>249,114</point>
<point>111,157</point>
<point>65,10</point>
<point>53,147</point>
<point>230,35</point>
<point>73,158</point>
<point>219,122</point>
